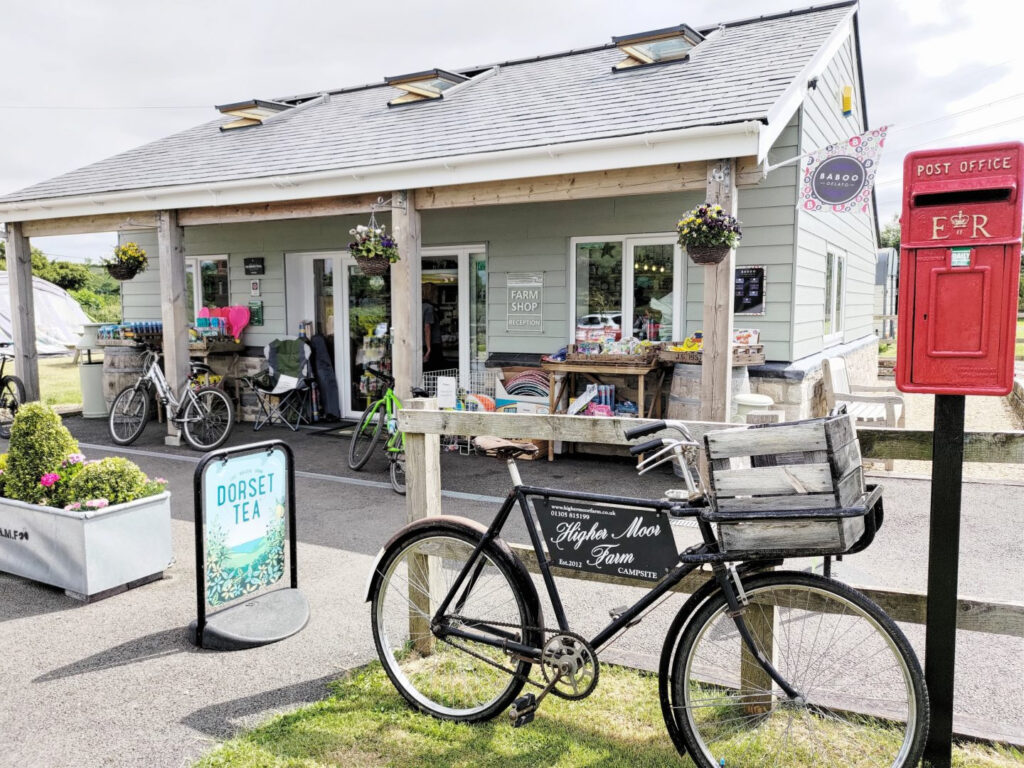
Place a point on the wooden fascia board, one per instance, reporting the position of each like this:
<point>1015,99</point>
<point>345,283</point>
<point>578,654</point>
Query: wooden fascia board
<point>276,211</point>
<point>83,225</point>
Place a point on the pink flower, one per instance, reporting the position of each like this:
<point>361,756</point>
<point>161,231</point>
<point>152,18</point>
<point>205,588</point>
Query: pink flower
<point>49,479</point>
<point>97,503</point>
<point>74,506</point>
<point>160,480</point>
<point>74,458</point>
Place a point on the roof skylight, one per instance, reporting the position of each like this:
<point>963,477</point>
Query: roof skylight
<point>251,112</point>
<point>421,86</point>
<point>657,46</point>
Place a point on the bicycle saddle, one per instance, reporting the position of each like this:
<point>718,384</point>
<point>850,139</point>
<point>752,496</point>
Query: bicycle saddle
<point>502,448</point>
<point>420,392</point>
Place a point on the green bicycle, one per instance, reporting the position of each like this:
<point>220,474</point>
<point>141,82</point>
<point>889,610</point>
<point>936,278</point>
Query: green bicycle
<point>378,415</point>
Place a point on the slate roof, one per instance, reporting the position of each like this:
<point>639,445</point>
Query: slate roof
<point>736,76</point>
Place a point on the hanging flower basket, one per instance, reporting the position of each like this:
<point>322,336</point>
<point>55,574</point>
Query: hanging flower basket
<point>126,261</point>
<point>120,271</point>
<point>708,233</point>
<point>370,266</point>
<point>707,254</point>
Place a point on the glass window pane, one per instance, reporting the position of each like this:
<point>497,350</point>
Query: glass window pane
<point>652,291</point>
<point>598,291</point>
<point>369,318</point>
<point>440,276</point>
<point>190,292</point>
<point>215,282</point>
<point>323,297</point>
<point>829,259</point>
<point>478,310</point>
<point>663,50</point>
<point>840,261</point>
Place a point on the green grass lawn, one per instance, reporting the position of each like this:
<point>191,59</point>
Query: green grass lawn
<point>366,723</point>
<point>59,381</point>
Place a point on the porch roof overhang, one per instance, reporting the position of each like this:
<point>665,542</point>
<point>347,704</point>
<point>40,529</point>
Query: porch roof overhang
<point>729,140</point>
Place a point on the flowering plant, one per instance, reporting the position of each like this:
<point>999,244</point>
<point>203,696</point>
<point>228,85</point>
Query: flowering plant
<point>373,242</point>
<point>129,255</point>
<point>709,227</point>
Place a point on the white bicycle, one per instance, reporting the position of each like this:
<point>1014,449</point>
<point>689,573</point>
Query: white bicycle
<point>205,414</point>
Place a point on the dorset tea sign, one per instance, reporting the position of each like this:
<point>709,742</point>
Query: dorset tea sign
<point>525,302</point>
<point>629,542</point>
<point>245,544</point>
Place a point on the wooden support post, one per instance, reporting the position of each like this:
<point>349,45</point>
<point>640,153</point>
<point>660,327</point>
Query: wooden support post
<point>174,313</point>
<point>406,296</point>
<point>755,683</point>
<point>716,368</point>
<point>23,318</point>
<point>423,499</point>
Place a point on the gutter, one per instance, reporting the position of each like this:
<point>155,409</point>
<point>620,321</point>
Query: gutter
<point>699,143</point>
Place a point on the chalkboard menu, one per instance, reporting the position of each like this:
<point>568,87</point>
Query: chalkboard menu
<point>253,265</point>
<point>749,296</point>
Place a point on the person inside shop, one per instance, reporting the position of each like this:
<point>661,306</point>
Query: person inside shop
<point>433,354</point>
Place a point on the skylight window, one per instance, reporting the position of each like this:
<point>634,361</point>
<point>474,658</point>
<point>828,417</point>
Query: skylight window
<point>422,86</point>
<point>656,47</point>
<point>252,112</point>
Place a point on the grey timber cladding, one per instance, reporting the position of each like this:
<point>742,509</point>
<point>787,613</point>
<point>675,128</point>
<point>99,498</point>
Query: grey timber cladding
<point>736,76</point>
<point>853,234</point>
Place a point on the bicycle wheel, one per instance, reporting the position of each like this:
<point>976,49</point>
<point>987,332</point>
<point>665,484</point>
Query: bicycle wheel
<point>397,472</point>
<point>208,418</point>
<point>365,435</point>
<point>12,395</point>
<point>452,678</point>
<point>129,414</point>
<point>862,704</point>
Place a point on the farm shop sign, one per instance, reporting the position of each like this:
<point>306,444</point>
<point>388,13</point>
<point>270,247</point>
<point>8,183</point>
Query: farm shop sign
<point>245,501</point>
<point>525,302</point>
<point>618,541</point>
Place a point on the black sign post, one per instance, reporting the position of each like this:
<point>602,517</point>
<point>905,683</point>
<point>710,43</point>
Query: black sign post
<point>245,544</point>
<point>943,569</point>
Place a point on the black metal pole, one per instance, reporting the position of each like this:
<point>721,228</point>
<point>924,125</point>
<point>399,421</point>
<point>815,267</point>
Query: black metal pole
<point>943,567</point>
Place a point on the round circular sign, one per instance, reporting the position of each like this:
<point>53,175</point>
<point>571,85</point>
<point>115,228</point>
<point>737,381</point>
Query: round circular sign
<point>839,179</point>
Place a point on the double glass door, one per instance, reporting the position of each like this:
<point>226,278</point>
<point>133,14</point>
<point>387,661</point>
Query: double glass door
<point>353,312</point>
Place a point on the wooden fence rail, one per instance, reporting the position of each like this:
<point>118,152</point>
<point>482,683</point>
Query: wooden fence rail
<point>423,424</point>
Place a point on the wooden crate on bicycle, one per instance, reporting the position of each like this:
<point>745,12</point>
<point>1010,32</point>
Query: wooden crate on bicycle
<point>790,486</point>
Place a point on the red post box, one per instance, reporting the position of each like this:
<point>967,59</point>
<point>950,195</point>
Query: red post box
<point>959,267</point>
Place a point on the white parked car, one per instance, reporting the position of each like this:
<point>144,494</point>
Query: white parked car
<point>599,326</point>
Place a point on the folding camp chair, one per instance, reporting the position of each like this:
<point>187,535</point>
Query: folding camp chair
<point>284,389</point>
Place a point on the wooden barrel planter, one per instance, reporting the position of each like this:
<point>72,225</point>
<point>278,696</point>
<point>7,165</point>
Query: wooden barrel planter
<point>122,367</point>
<point>684,397</point>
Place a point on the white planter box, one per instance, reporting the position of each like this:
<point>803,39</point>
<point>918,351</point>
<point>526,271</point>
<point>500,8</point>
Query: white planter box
<point>87,552</point>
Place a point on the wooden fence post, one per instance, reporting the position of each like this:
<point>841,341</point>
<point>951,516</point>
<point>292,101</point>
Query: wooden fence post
<point>423,499</point>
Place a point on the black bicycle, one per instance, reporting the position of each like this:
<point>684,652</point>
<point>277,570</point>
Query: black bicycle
<point>760,667</point>
<point>12,391</point>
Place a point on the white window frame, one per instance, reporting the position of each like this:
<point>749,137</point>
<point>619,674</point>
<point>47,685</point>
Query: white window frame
<point>838,257</point>
<point>192,266</point>
<point>628,244</point>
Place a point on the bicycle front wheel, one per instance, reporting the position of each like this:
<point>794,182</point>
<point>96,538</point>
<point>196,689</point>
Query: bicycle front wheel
<point>448,677</point>
<point>397,472</point>
<point>128,414</point>
<point>208,419</point>
<point>12,395</point>
<point>365,435</point>
<point>862,703</point>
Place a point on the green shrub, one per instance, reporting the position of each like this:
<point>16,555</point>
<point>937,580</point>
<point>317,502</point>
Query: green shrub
<point>114,478</point>
<point>3,472</point>
<point>39,445</point>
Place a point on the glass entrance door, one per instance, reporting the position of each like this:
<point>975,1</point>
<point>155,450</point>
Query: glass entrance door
<point>368,321</point>
<point>455,287</point>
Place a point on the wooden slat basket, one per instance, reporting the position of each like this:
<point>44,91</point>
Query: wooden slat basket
<point>795,487</point>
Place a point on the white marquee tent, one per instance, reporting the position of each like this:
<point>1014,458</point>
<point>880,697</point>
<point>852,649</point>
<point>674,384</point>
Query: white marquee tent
<point>59,317</point>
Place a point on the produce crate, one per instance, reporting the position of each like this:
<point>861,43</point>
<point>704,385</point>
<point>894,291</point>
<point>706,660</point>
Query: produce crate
<point>645,358</point>
<point>791,487</point>
<point>742,354</point>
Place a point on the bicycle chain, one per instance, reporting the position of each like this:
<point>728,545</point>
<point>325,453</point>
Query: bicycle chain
<point>518,675</point>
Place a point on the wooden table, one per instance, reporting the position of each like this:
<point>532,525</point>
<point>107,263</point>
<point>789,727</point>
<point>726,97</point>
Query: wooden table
<point>592,372</point>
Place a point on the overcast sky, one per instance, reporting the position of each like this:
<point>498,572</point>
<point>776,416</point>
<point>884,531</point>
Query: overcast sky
<point>86,80</point>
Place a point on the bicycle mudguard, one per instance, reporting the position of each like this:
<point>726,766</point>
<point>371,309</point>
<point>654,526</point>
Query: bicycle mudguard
<point>471,527</point>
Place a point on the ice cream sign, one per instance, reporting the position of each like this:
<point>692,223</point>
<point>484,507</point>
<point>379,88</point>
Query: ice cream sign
<point>245,499</point>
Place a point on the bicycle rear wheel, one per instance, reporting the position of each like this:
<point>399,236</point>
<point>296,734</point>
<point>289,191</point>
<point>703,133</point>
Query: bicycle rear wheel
<point>365,435</point>
<point>128,414</point>
<point>12,395</point>
<point>452,678</point>
<point>862,704</point>
<point>208,419</point>
<point>397,472</point>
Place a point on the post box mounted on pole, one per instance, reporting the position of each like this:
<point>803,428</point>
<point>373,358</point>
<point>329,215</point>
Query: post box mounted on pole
<point>959,272</point>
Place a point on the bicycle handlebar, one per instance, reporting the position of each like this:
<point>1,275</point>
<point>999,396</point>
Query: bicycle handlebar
<point>389,380</point>
<point>635,450</point>
<point>645,429</point>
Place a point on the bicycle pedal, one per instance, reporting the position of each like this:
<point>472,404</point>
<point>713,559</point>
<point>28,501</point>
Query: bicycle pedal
<point>523,710</point>
<point>615,613</point>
